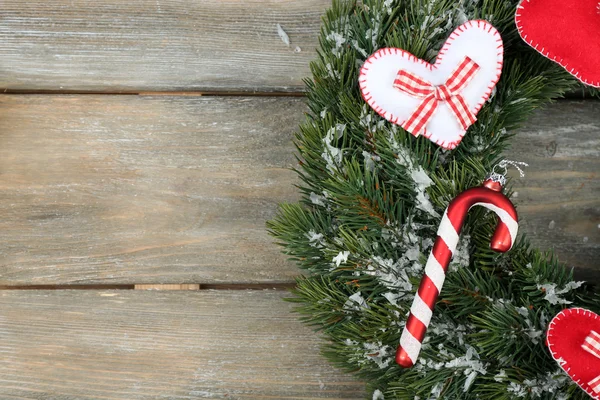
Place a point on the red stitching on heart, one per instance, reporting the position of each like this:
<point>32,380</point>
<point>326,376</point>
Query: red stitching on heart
<point>557,357</point>
<point>462,28</point>
<point>545,52</point>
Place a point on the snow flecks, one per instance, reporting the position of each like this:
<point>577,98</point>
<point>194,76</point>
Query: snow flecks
<point>437,26</point>
<point>317,200</point>
<point>499,303</point>
<point>315,239</point>
<point>387,5</point>
<point>436,391</point>
<point>370,160</point>
<point>393,297</point>
<point>551,383</point>
<point>378,395</point>
<point>426,21</point>
<point>469,381</point>
<point>523,311</point>
<point>420,178</point>
<point>357,47</point>
<point>379,354</point>
<point>460,17</point>
<point>356,303</point>
<point>371,352</point>
<point>534,330</point>
<point>470,362</point>
<point>500,376</point>
<point>339,35</point>
<point>283,35</point>
<point>461,257</point>
<point>338,40</point>
<point>413,253</point>
<point>492,94</point>
<point>436,31</point>
<point>369,122</point>
<point>468,365</point>
<point>534,334</point>
<point>331,154</point>
<point>373,32</point>
<point>393,275</point>
<point>553,292</point>
<point>341,258</point>
<point>516,390</point>
<point>333,74</point>
<point>446,330</point>
<point>543,321</point>
<point>479,144</point>
<point>396,274</point>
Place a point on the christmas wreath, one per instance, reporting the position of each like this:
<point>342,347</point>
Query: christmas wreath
<point>379,203</point>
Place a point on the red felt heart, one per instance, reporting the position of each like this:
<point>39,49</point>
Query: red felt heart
<point>566,31</point>
<point>567,333</point>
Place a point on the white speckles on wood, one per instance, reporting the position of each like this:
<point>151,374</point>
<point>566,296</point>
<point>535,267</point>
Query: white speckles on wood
<point>147,45</point>
<point>129,189</point>
<point>559,198</point>
<point>151,345</point>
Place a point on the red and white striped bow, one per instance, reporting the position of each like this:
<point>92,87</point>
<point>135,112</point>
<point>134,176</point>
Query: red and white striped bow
<point>591,344</point>
<point>449,92</point>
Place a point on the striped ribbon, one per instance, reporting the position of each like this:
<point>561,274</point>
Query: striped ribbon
<point>450,92</point>
<point>591,344</point>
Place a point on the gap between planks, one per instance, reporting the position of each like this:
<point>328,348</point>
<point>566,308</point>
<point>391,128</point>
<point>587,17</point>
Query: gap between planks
<point>162,287</point>
<point>155,93</point>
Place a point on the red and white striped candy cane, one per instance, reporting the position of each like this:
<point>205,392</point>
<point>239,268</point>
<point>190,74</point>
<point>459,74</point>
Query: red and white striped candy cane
<point>489,196</point>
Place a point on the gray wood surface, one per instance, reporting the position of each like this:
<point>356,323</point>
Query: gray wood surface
<point>559,198</point>
<point>150,45</point>
<point>141,190</point>
<point>161,345</point>
<point>129,189</point>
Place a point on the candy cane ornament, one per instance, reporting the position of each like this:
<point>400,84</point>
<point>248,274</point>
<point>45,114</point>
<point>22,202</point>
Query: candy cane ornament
<point>490,196</point>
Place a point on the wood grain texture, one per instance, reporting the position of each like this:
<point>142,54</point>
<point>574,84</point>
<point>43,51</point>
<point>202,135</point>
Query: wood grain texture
<point>129,189</point>
<point>150,45</point>
<point>559,198</point>
<point>184,286</point>
<point>151,190</point>
<point>156,345</point>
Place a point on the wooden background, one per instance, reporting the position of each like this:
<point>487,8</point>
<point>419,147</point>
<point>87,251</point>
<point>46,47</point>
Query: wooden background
<point>143,145</point>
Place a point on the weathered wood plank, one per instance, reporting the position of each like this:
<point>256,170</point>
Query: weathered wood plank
<point>148,45</point>
<point>150,190</point>
<point>559,198</point>
<point>150,345</point>
<point>128,189</point>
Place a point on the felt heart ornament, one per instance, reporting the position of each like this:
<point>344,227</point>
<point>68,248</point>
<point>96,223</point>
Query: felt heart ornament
<point>439,101</point>
<point>573,338</point>
<point>566,31</point>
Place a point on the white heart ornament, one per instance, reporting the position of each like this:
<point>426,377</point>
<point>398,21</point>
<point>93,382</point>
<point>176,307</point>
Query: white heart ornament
<point>438,100</point>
